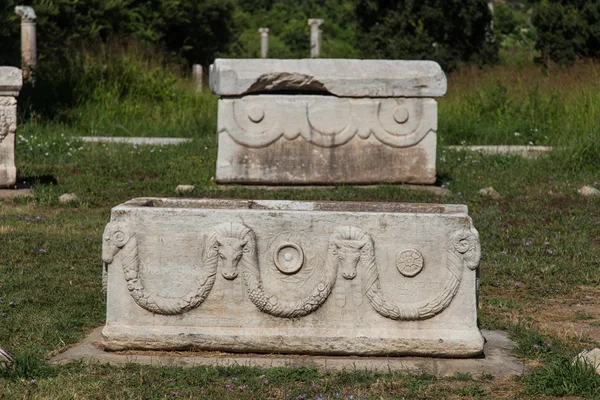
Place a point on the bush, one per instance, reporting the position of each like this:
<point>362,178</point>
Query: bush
<point>567,30</point>
<point>447,31</point>
<point>196,30</point>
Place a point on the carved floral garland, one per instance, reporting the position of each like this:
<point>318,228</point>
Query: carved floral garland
<point>119,239</point>
<point>463,251</point>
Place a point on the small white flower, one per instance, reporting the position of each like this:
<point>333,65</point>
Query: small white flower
<point>517,134</point>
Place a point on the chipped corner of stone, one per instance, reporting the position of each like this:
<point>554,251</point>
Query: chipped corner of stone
<point>11,81</point>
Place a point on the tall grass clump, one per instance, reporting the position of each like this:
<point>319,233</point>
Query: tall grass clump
<point>120,88</point>
<point>526,105</point>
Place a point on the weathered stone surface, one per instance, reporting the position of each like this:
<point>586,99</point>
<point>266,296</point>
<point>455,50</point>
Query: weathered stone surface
<point>306,139</point>
<point>591,357</point>
<point>346,78</point>
<point>11,81</point>
<point>292,277</point>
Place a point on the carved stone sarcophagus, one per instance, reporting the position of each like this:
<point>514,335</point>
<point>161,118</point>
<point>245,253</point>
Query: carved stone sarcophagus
<point>11,80</point>
<point>292,277</point>
<point>325,121</point>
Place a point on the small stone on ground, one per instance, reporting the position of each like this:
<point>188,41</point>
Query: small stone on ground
<point>490,192</point>
<point>588,191</point>
<point>185,188</point>
<point>67,198</point>
<point>6,359</point>
<point>591,357</point>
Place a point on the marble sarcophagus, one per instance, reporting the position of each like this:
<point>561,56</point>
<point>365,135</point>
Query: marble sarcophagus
<point>292,277</point>
<point>326,121</point>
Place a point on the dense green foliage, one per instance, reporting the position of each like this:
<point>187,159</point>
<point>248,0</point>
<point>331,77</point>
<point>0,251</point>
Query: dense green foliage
<point>289,31</point>
<point>567,30</point>
<point>195,29</point>
<point>446,31</point>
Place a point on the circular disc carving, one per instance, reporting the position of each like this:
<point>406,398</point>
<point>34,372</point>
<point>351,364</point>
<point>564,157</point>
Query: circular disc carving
<point>288,258</point>
<point>409,262</point>
<point>401,115</point>
<point>256,114</point>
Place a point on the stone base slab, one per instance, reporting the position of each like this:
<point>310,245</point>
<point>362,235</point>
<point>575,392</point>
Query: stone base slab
<point>522,151</point>
<point>496,359</point>
<point>10,194</point>
<point>150,141</point>
<point>364,341</point>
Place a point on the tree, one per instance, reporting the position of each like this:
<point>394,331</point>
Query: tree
<point>567,30</point>
<point>447,31</point>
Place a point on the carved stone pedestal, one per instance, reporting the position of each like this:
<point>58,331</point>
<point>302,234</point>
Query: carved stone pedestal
<point>326,121</point>
<point>11,80</point>
<point>292,277</point>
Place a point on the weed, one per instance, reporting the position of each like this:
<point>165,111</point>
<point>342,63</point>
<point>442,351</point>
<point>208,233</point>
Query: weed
<point>582,316</point>
<point>563,377</point>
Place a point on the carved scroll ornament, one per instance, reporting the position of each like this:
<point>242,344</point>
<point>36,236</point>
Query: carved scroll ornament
<point>258,121</point>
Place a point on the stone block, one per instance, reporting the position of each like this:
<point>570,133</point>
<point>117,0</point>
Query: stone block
<point>339,77</point>
<point>11,81</point>
<point>292,277</point>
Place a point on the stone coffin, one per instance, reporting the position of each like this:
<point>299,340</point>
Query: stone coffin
<point>292,277</point>
<point>11,80</point>
<point>326,121</point>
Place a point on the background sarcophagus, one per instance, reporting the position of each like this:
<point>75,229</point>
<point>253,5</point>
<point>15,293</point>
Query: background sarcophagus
<point>292,277</point>
<point>11,80</point>
<point>326,121</point>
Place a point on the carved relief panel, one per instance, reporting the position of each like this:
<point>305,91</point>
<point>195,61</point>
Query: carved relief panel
<point>256,274</point>
<point>258,121</point>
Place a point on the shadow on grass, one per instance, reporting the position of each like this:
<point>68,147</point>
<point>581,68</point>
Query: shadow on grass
<point>25,182</point>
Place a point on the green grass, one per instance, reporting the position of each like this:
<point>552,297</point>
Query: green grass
<point>540,242</point>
